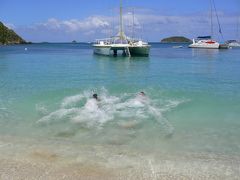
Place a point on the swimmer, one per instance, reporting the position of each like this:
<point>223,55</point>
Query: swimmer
<point>95,96</point>
<point>143,97</point>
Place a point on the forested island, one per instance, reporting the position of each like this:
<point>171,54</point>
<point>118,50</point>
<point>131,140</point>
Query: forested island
<point>8,36</point>
<point>176,39</point>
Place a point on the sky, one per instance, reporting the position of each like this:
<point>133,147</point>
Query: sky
<point>83,21</point>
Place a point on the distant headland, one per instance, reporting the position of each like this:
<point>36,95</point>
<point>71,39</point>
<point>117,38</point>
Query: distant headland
<point>8,36</point>
<point>176,39</point>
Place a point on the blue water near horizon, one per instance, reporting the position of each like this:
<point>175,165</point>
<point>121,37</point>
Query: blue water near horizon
<point>192,103</point>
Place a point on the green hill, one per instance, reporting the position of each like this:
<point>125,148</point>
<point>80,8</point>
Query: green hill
<point>176,39</point>
<point>8,36</point>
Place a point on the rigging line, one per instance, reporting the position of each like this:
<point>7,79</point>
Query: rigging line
<point>219,26</point>
<point>238,23</point>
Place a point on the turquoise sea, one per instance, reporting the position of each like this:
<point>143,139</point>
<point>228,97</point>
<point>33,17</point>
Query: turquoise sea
<point>188,125</point>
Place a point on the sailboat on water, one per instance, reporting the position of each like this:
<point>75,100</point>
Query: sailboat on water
<point>235,43</point>
<point>121,43</point>
<point>206,41</point>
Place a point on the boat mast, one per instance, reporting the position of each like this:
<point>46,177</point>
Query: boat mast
<point>121,33</point>
<point>211,18</point>
<point>133,21</point>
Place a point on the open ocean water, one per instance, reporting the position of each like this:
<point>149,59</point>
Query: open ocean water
<point>187,126</point>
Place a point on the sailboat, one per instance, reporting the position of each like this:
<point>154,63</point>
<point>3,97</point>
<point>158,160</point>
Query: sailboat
<point>121,43</point>
<point>235,43</point>
<point>206,41</point>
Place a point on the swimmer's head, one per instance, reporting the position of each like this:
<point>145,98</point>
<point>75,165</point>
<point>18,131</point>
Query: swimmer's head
<point>95,96</point>
<point>142,93</point>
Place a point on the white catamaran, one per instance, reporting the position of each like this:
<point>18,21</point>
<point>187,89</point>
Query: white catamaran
<point>121,43</point>
<point>206,41</point>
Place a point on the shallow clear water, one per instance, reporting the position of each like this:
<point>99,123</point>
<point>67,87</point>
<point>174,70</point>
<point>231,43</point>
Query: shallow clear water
<point>192,102</point>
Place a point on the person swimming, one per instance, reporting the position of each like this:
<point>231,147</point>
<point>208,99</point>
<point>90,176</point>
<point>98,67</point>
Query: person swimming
<point>141,96</point>
<point>95,96</point>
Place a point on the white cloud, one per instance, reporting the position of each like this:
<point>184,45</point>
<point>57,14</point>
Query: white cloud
<point>73,25</point>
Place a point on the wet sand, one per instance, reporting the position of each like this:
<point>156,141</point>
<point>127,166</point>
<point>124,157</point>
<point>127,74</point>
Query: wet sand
<point>25,169</point>
<point>24,159</point>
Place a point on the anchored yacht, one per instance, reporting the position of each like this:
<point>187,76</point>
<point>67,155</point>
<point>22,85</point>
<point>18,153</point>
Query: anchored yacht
<point>207,41</point>
<point>204,42</point>
<point>121,44</point>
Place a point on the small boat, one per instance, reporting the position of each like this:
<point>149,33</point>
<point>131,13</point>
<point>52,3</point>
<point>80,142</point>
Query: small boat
<point>177,47</point>
<point>204,42</point>
<point>121,43</point>
<point>233,43</point>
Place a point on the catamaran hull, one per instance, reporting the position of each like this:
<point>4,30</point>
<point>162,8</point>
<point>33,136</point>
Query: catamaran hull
<point>205,46</point>
<point>109,51</point>
<point>105,51</point>
<point>139,51</point>
<point>134,51</point>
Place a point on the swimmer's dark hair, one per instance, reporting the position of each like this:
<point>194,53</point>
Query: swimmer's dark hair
<point>95,96</point>
<point>142,93</point>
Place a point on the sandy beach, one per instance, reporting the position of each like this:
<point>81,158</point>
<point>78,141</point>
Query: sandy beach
<point>44,160</point>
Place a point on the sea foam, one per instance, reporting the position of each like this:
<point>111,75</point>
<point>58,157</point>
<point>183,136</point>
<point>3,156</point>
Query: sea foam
<point>124,110</point>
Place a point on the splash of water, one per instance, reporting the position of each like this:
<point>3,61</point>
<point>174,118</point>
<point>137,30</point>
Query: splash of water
<point>125,110</point>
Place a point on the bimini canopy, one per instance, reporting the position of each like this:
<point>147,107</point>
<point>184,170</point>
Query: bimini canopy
<point>204,37</point>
